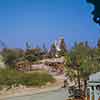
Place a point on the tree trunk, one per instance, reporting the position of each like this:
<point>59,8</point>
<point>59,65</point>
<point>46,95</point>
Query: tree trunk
<point>85,87</point>
<point>79,84</point>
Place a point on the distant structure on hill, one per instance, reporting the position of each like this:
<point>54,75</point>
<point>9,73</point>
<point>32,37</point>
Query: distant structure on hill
<point>58,48</point>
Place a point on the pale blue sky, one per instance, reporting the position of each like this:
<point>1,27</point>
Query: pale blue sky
<point>43,21</point>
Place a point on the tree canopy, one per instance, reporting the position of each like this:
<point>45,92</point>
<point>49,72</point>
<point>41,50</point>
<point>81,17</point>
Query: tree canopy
<point>81,62</point>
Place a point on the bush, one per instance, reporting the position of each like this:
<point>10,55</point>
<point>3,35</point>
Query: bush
<point>12,77</point>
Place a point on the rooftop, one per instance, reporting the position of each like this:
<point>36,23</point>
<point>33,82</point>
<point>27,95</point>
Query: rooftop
<point>95,77</point>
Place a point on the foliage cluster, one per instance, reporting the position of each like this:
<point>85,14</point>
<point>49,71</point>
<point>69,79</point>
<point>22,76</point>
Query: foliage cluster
<point>82,61</point>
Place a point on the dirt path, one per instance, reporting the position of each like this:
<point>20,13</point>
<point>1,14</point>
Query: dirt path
<point>21,91</point>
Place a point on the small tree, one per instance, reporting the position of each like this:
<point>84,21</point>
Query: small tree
<point>33,54</point>
<point>11,55</point>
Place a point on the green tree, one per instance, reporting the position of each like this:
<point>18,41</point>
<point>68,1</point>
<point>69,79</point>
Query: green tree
<point>69,70</point>
<point>33,54</point>
<point>11,56</point>
<point>83,62</point>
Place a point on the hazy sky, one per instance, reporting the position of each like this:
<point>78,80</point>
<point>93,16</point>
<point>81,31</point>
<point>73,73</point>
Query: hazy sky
<point>43,21</point>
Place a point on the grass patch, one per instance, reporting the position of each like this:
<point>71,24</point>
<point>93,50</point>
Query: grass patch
<point>10,77</point>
